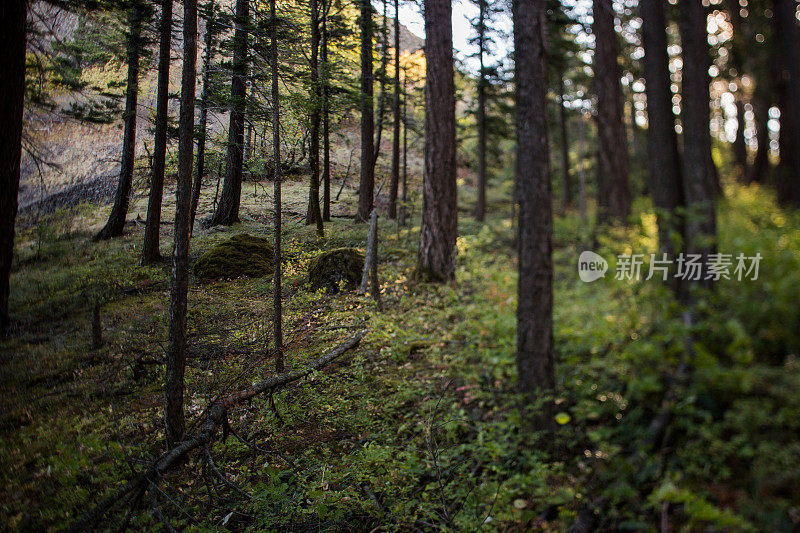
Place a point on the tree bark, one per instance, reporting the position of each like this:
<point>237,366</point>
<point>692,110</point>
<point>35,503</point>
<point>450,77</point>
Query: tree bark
<point>277,312</point>
<point>437,252</point>
<point>228,208</point>
<point>788,89</point>
<point>480,208</point>
<point>395,178</point>
<point>176,356</point>
<point>665,165</point>
<point>535,367</point>
<point>562,114</point>
<point>366,186</point>
<point>13,15</point>
<point>326,121</point>
<point>698,181</point>
<point>116,220</point>
<point>152,230</point>
<point>313,215</point>
<point>614,193</point>
<point>201,141</point>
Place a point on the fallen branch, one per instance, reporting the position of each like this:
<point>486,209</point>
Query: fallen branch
<point>215,417</point>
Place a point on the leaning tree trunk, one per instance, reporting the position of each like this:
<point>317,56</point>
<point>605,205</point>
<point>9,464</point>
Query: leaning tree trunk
<point>152,230</point>
<point>314,216</point>
<point>562,115</point>
<point>116,220</point>
<point>201,140</point>
<point>665,170</point>
<point>480,208</point>
<point>12,86</point>
<point>176,356</point>
<point>436,257</point>
<point>698,182</point>
<point>614,193</point>
<point>366,185</point>
<point>395,178</point>
<point>788,86</point>
<point>277,312</point>
<point>326,121</point>
<point>228,209</point>
<point>535,367</point>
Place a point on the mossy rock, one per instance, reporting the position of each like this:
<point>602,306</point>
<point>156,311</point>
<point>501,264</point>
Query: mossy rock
<point>335,269</point>
<point>241,255</point>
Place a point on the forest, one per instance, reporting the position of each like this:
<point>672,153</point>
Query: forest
<point>400,265</point>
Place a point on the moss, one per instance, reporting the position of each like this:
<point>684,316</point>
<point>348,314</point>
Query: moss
<point>335,269</point>
<point>426,275</point>
<point>241,255</point>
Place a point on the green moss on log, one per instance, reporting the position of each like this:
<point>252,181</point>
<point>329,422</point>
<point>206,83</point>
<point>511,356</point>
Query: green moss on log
<point>336,269</point>
<point>241,255</point>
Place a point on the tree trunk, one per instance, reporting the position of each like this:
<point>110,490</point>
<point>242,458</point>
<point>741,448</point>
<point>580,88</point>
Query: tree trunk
<point>201,141</point>
<point>788,89</point>
<point>739,143</point>
<point>404,199</point>
<point>634,139</point>
<point>382,85</point>
<point>480,208</point>
<point>228,209</point>
<point>12,86</point>
<point>152,230</point>
<point>665,171</point>
<point>366,186</point>
<point>760,165</point>
<point>277,312</point>
<point>395,179</point>
<point>698,181</point>
<point>313,215</point>
<point>248,138</point>
<point>614,193</point>
<point>535,367</point>
<point>562,113</point>
<point>176,357</point>
<point>372,243</point>
<point>116,220</point>
<point>326,122</point>
<point>582,167</point>
<point>436,257</point>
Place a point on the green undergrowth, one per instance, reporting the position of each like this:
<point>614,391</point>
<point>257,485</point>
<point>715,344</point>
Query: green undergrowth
<point>420,427</point>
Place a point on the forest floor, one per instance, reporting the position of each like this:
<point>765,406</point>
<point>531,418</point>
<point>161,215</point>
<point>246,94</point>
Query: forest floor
<point>420,427</point>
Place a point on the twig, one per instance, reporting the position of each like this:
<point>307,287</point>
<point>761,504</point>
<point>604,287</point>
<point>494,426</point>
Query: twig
<point>214,416</point>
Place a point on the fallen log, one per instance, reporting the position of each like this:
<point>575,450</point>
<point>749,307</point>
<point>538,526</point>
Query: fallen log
<point>215,417</point>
